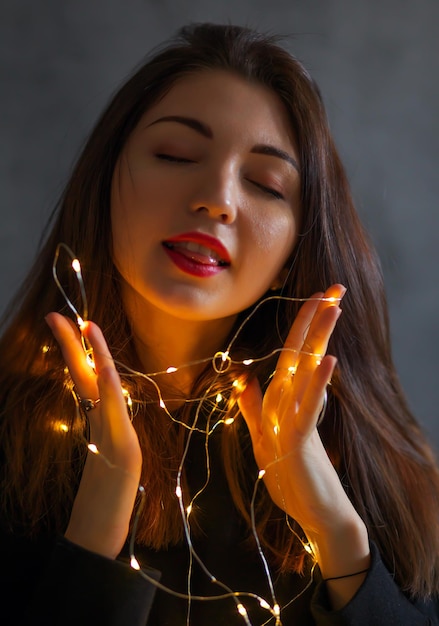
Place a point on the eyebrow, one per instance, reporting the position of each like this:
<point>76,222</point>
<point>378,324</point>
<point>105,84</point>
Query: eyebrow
<point>206,131</point>
<point>196,125</point>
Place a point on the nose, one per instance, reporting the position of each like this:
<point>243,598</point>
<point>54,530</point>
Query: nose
<point>216,196</point>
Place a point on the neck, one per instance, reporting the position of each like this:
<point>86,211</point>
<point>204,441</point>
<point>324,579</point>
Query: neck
<point>163,341</point>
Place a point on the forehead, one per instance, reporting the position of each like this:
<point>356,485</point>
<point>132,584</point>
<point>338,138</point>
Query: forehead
<point>229,104</point>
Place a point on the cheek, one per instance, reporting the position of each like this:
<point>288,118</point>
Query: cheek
<point>277,235</point>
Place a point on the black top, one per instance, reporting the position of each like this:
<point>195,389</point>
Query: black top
<point>52,582</point>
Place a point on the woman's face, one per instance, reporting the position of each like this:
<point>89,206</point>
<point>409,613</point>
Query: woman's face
<point>205,198</point>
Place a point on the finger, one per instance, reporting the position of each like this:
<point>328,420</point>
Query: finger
<point>297,342</point>
<point>113,403</point>
<point>298,331</point>
<point>250,405</point>
<point>318,335</point>
<point>72,349</point>
<point>306,419</point>
<point>317,340</point>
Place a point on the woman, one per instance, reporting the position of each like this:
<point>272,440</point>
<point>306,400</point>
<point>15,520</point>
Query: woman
<point>207,205</point>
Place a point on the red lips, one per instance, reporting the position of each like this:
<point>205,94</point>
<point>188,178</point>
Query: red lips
<point>197,253</point>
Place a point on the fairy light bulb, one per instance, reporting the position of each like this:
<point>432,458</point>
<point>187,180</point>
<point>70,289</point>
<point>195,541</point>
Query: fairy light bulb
<point>92,447</point>
<point>247,361</point>
<point>261,474</point>
<point>242,610</point>
<point>219,397</point>
<point>264,604</point>
<point>276,429</point>
<point>60,426</point>
<point>127,396</point>
<point>229,421</point>
<point>178,492</point>
<point>134,563</point>
<point>171,369</point>
<point>76,266</point>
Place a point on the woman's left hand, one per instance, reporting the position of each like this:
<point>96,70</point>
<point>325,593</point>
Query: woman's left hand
<point>299,475</point>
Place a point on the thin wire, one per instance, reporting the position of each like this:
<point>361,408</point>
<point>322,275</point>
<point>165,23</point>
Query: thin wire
<point>221,363</point>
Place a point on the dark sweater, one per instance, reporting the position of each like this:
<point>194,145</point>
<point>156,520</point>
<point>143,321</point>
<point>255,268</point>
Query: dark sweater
<point>52,582</point>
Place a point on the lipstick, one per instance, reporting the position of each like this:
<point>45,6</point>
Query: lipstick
<point>197,253</point>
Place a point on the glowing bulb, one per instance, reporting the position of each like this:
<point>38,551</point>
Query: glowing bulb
<point>162,404</point>
<point>218,397</point>
<point>235,383</point>
<point>90,360</point>
<point>134,563</point>
<point>261,474</point>
<point>229,421</point>
<point>332,299</point>
<point>242,610</point>
<point>292,370</point>
<point>318,361</point>
<point>178,492</point>
<point>248,361</point>
<point>64,428</point>
<point>224,356</point>
<point>276,429</point>
<point>264,604</point>
<point>126,393</point>
<point>171,370</point>
<point>276,609</point>
<point>76,265</point>
<point>189,509</point>
<point>80,321</point>
<point>93,448</point>
<point>308,548</point>
<point>45,349</point>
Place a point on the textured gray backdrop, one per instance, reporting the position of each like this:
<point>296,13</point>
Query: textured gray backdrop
<point>377,62</point>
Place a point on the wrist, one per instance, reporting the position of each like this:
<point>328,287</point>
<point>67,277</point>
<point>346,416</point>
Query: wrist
<point>343,556</point>
<point>341,549</point>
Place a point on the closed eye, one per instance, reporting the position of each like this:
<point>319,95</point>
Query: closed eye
<point>172,158</point>
<point>269,190</point>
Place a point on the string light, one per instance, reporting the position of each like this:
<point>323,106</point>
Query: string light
<point>221,363</point>
<point>134,563</point>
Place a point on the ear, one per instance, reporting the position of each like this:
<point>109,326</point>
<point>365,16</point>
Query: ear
<point>279,281</point>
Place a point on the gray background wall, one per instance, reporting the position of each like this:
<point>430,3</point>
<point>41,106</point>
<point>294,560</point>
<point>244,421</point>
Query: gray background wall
<point>377,62</point>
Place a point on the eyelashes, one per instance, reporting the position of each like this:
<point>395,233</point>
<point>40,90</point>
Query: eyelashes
<point>171,158</point>
<point>269,190</point>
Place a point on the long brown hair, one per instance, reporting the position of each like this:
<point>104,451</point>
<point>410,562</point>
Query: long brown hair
<point>381,456</point>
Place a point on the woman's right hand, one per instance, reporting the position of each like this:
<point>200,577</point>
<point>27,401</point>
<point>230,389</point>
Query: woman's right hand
<point>105,499</point>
